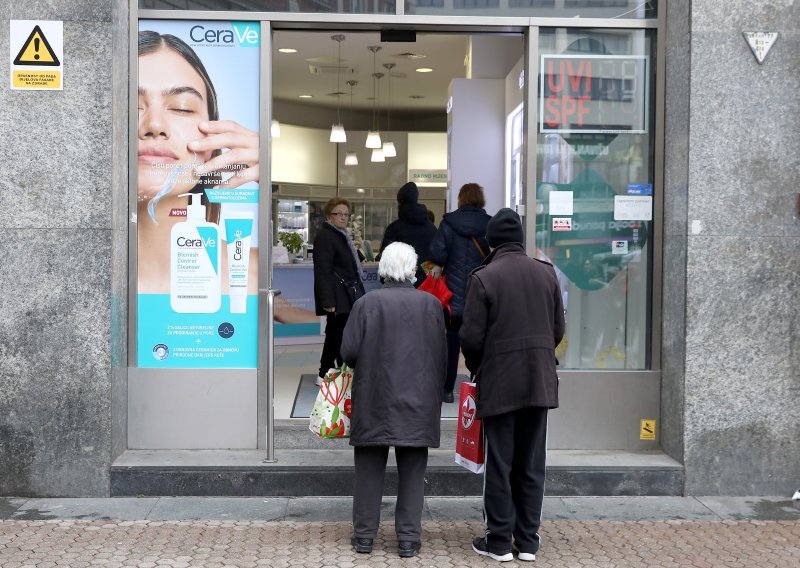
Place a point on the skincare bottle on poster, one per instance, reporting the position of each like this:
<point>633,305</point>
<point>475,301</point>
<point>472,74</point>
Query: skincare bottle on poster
<point>195,257</point>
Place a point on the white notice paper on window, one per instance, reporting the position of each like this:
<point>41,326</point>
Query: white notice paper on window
<point>633,208</point>
<point>560,203</point>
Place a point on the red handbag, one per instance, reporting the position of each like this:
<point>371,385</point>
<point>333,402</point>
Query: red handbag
<point>437,287</point>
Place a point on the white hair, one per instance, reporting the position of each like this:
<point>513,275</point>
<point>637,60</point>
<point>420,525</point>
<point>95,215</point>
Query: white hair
<point>398,262</point>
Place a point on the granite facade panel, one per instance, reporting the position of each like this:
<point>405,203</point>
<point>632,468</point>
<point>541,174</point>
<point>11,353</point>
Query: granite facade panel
<point>742,384</point>
<point>67,10</point>
<point>58,171</point>
<point>676,194</point>
<point>55,362</point>
<point>745,15</point>
<point>742,434</point>
<point>745,131</point>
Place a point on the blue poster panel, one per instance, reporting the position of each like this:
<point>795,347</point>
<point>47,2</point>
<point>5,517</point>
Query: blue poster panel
<point>197,189</point>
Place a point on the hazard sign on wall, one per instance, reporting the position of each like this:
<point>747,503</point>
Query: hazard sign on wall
<point>37,55</point>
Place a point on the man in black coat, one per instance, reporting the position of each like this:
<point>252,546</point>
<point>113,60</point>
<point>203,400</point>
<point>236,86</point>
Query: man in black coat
<point>412,226</point>
<point>513,321</point>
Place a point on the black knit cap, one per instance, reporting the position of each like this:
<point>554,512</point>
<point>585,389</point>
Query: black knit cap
<point>504,227</point>
<point>408,193</point>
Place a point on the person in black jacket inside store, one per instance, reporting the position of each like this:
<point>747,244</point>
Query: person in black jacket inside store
<point>336,262</point>
<point>412,227</point>
<point>458,247</point>
<point>513,321</point>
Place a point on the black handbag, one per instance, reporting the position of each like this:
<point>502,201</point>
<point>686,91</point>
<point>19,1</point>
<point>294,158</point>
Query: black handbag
<point>353,288</point>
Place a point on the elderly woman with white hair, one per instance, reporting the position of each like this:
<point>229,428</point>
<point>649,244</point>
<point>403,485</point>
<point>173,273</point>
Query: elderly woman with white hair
<point>395,340</point>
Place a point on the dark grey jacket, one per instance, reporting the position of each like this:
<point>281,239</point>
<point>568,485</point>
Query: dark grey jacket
<point>513,321</point>
<point>395,341</point>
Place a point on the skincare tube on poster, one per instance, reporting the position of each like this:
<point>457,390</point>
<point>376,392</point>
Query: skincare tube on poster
<point>238,233</point>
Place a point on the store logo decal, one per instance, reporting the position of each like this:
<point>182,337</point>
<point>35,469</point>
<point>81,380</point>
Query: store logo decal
<point>245,34</point>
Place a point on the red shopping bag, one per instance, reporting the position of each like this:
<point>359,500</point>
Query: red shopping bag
<point>438,288</point>
<point>469,435</point>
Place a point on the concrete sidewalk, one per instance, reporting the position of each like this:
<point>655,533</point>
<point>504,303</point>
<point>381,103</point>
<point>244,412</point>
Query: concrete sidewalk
<point>211,532</point>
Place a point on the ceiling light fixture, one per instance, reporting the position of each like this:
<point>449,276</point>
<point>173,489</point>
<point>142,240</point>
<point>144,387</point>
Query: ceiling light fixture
<point>287,50</point>
<point>377,153</point>
<point>305,96</point>
<point>389,150</point>
<point>338,134</point>
<point>373,136</point>
<point>424,70</point>
<point>351,158</point>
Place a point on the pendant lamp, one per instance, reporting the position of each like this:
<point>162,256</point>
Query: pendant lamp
<point>373,136</point>
<point>338,134</point>
<point>377,155</point>
<point>389,150</point>
<point>351,158</point>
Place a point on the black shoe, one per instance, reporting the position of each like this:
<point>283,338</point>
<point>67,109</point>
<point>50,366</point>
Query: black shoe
<point>480,546</point>
<point>362,545</point>
<point>448,396</point>
<point>408,548</point>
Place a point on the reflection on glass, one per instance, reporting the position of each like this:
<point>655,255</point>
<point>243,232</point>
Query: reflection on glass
<point>319,6</point>
<point>628,9</point>
<point>594,194</point>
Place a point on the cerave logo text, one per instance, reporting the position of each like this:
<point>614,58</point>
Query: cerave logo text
<point>243,34</point>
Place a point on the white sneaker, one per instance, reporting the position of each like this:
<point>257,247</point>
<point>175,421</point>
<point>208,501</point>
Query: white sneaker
<point>524,556</point>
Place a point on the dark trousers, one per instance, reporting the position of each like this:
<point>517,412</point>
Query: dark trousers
<point>453,349</point>
<point>514,479</point>
<point>370,468</point>
<point>334,329</point>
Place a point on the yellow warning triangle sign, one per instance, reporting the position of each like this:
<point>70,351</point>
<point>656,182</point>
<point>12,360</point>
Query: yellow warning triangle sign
<point>37,51</point>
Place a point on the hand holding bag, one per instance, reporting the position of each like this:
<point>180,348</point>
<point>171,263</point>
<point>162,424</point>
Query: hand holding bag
<point>437,287</point>
<point>330,417</point>
<point>469,435</point>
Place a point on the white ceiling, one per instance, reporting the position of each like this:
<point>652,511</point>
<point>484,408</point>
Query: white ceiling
<point>410,90</point>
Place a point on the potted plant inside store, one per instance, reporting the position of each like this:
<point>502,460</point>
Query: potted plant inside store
<point>293,243</point>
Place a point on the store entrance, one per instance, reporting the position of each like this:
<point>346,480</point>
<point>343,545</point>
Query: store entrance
<point>440,104</point>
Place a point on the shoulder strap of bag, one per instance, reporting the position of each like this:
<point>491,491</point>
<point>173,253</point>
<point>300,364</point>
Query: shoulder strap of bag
<point>478,246</point>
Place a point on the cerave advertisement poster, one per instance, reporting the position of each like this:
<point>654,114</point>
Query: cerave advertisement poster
<point>197,194</point>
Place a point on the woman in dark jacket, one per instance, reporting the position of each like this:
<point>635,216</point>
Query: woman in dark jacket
<point>459,247</point>
<point>336,260</point>
<point>395,340</point>
<point>412,226</point>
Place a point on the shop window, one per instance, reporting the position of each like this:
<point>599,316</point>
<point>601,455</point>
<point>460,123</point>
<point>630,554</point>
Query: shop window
<point>303,6</point>
<point>595,190</point>
<point>627,9</point>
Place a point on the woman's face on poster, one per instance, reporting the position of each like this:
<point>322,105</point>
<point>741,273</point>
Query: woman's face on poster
<point>172,102</point>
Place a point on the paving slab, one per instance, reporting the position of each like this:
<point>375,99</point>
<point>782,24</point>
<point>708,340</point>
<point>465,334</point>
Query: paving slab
<point>219,508</point>
<point>117,508</point>
<point>753,508</point>
<point>445,544</point>
<point>9,505</point>
<point>637,508</point>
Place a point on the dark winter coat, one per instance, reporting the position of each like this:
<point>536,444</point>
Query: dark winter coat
<point>395,340</point>
<point>513,321</point>
<point>332,254</point>
<point>412,227</point>
<point>453,249</point>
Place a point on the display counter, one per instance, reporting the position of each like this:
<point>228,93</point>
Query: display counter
<point>295,314</point>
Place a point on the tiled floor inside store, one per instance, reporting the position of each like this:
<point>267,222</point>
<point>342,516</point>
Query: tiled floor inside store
<point>293,361</point>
